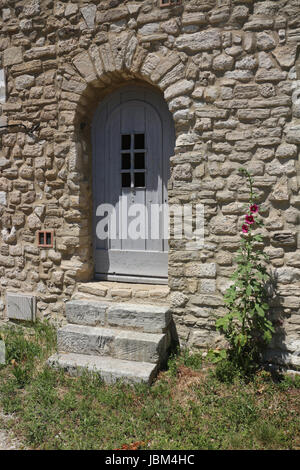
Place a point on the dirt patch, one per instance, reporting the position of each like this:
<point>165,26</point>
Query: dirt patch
<point>7,441</point>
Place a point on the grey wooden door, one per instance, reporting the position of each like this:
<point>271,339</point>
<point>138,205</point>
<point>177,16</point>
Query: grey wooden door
<point>133,139</point>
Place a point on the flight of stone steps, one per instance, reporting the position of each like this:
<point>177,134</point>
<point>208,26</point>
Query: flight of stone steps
<point>118,341</point>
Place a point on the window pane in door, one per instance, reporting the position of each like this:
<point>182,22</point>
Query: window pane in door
<point>139,161</point>
<point>139,141</point>
<point>139,180</point>
<point>126,163</point>
<point>126,141</point>
<point>126,180</point>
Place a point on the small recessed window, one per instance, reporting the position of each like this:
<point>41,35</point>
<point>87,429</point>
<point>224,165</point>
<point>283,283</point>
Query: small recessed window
<point>41,238</point>
<point>49,237</point>
<point>169,3</point>
<point>45,238</point>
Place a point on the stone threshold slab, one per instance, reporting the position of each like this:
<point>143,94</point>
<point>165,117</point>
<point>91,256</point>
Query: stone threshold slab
<point>122,292</point>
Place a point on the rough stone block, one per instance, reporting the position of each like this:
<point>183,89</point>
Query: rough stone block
<point>193,18</point>
<point>206,270</point>
<point>45,52</point>
<point>85,67</point>
<point>24,81</point>
<point>86,313</point>
<point>293,134</point>
<point>12,56</point>
<point>3,120</point>
<point>223,62</point>
<point>2,86</point>
<point>124,293</point>
<point>32,67</point>
<point>286,151</point>
<point>3,200</point>
<point>89,15</point>
<point>148,318</point>
<point>32,8</point>
<point>283,239</point>
<point>197,42</point>
<point>272,75</point>
<point>208,300</point>
<point>252,114</point>
<point>180,88</point>
<point>71,9</point>
<point>21,306</point>
<point>287,275</point>
<point>177,73</point>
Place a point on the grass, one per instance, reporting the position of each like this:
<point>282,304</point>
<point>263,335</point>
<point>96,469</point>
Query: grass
<point>188,407</point>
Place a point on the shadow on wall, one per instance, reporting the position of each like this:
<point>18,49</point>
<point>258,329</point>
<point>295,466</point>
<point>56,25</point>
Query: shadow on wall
<point>278,351</point>
<point>175,343</point>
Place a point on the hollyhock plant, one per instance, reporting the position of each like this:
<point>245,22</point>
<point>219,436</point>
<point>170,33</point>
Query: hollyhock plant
<point>246,326</point>
<point>254,208</point>
<point>249,219</point>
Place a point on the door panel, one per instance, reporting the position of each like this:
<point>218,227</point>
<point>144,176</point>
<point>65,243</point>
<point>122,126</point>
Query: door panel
<point>151,264</point>
<point>133,139</point>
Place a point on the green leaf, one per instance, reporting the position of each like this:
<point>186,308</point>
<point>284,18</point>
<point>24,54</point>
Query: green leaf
<point>259,310</point>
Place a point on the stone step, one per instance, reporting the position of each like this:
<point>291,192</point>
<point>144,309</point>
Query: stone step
<point>121,344</point>
<point>110,369</point>
<point>146,318</point>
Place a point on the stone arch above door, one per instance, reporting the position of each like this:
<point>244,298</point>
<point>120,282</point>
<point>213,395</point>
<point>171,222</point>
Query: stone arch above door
<point>97,71</point>
<point>91,76</point>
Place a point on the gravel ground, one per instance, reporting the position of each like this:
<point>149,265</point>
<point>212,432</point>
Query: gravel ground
<point>7,442</point>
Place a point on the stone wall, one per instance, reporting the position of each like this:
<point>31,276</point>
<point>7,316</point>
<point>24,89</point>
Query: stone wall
<point>229,72</point>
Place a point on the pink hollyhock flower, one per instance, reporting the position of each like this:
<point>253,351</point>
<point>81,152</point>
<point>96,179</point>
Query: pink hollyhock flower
<point>249,219</point>
<point>254,208</point>
<point>245,228</point>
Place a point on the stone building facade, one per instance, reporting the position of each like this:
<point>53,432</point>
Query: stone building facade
<point>229,72</point>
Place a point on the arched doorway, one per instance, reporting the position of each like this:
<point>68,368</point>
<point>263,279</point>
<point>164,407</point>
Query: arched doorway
<point>133,140</point>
